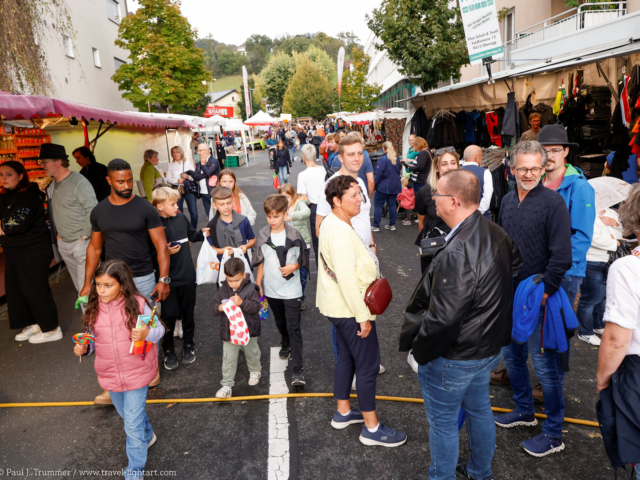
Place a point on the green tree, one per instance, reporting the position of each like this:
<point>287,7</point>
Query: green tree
<point>166,67</point>
<point>276,76</point>
<point>261,40</point>
<point>350,40</point>
<point>309,93</point>
<point>425,38</point>
<point>231,63</point>
<point>357,94</point>
<point>198,109</point>
<point>295,44</point>
<point>318,56</point>
<point>256,100</point>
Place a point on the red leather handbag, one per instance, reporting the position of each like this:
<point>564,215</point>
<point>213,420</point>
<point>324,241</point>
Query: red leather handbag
<point>378,296</point>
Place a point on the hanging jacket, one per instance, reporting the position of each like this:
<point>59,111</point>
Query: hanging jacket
<point>511,117</point>
<point>250,295</point>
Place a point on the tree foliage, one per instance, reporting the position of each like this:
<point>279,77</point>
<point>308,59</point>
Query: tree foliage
<point>276,76</point>
<point>166,67</point>
<point>425,38</point>
<point>231,62</point>
<point>357,94</point>
<point>295,44</point>
<point>319,56</point>
<point>309,93</point>
<point>256,100</point>
<point>198,109</point>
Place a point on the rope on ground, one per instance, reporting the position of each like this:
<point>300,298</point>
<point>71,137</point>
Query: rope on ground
<point>576,421</point>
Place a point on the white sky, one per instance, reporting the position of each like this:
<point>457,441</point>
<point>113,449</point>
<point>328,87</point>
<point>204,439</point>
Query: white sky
<point>233,22</point>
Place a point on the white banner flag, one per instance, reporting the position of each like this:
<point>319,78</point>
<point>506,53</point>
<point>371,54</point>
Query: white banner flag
<point>247,102</point>
<point>340,69</point>
<point>482,30</point>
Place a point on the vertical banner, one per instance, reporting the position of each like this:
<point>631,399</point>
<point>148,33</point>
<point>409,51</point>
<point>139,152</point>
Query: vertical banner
<point>481,29</point>
<point>340,69</point>
<point>247,101</point>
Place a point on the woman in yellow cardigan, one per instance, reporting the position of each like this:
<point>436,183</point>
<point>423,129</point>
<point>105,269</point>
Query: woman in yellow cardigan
<point>149,172</point>
<point>348,268</point>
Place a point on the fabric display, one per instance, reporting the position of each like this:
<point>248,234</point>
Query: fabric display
<point>238,328</point>
<point>394,128</point>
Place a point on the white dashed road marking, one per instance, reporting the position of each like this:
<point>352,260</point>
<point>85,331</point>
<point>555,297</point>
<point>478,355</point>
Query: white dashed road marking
<point>278,465</point>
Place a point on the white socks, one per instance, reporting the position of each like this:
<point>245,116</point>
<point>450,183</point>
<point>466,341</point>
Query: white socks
<point>345,414</point>
<point>374,429</point>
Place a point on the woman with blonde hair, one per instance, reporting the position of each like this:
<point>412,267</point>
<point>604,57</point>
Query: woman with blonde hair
<point>179,171</point>
<point>241,204</point>
<point>388,186</point>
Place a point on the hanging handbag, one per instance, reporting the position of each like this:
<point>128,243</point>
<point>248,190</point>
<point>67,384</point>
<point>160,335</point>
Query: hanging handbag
<point>213,180</point>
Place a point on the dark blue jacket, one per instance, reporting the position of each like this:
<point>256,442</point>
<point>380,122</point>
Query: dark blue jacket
<point>540,226</point>
<point>387,176</point>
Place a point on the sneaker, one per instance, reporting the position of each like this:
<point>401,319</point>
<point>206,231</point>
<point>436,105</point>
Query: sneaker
<point>298,379</point>
<point>170,360</point>
<point>515,419</point>
<point>542,445</point>
<point>42,337</point>
<point>254,378</point>
<point>103,399</point>
<point>590,339</point>
<point>375,229</point>
<point>224,392</point>
<point>152,442</point>
<point>412,362</point>
<point>390,227</point>
<point>538,396</point>
<point>406,222</point>
<point>24,335</point>
<point>340,421</point>
<point>285,353</point>
<point>461,469</point>
<point>384,436</point>
<point>188,354</point>
<point>599,331</point>
<point>500,377</point>
<point>156,381</point>
<point>381,371</point>
<point>302,305</point>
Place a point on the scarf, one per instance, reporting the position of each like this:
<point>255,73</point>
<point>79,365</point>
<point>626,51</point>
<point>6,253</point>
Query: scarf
<point>229,235</point>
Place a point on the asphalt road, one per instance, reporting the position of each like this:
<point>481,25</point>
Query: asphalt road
<point>230,440</point>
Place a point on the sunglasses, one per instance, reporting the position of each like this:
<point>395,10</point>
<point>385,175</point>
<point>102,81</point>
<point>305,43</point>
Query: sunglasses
<point>440,151</point>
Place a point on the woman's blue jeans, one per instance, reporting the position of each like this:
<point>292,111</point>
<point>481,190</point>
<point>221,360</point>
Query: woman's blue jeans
<point>379,200</point>
<point>593,293</point>
<point>283,175</point>
<point>131,407</point>
<point>192,205</point>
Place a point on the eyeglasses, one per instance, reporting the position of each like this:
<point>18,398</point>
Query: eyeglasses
<point>554,151</point>
<point>440,151</point>
<point>436,194</point>
<point>523,171</point>
<point>44,162</point>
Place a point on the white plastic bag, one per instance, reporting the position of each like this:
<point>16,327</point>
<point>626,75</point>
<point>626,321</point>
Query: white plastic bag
<point>237,253</point>
<point>238,328</point>
<point>207,265</point>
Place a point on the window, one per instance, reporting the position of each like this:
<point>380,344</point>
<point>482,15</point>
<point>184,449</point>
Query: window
<point>68,46</point>
<point>118,62</point>
<point>96,57</point>
<point>113,11</point>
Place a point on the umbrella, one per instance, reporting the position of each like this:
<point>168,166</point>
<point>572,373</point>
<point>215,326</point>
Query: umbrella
<point>609,191</point>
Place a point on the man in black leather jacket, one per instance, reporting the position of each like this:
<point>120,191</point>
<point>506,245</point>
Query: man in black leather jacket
<point>456,323</point>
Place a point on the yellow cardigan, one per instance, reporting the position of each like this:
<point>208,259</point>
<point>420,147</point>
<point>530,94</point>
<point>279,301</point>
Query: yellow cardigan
<point>354,269</point>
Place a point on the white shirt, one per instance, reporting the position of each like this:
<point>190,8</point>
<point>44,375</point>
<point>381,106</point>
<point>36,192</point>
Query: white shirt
<point>175,169</point>
<point>362,222</point>
<point>623,298</point>
<point>275,285</point>
<point>487,188</point>
<point>311,183</point>
<point>604,238</point>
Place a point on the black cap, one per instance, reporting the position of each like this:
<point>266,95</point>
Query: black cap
<point>51,151</point>
<point>554,135</point>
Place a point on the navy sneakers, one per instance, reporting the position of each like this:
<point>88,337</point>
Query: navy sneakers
<point>515,419</point>
<point>542,445</point>
<point>384,436</point>
<point>340,421</point>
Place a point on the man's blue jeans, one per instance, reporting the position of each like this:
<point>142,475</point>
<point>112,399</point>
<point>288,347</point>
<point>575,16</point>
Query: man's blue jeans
<point>446,386</point>
<point>593,292</point>
<point>131,407</point>
<point>283,176</point>
<point>206,203</point>
<point>192,205</point>
<point>379,200</point>
<point>548,371</point>
<point>304,274</point>
<point>571,285</point>
<point>292,154</point>
<point>145,285</point>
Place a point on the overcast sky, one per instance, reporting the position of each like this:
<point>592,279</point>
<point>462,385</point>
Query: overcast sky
<point>234,22</point>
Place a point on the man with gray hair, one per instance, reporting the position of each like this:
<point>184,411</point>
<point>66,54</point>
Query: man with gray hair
<point>472,162</point>
<point>537,220</point>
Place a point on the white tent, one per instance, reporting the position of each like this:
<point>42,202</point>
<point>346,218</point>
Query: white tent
<point>260,119</point>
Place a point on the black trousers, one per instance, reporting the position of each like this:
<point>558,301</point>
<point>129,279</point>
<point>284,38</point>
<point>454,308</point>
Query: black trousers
<point>180,303</point>
<point>29,296</point>
<point>356,353</point>
<point>287,317</point>
<point>312,226</point>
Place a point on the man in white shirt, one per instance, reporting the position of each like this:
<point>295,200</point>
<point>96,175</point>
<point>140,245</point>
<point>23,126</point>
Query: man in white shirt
<point>472,161</point>
<point>350,153</point>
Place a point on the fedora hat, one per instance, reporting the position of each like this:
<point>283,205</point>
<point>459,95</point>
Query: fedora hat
<point>555,135</point>
<point>51,151</point>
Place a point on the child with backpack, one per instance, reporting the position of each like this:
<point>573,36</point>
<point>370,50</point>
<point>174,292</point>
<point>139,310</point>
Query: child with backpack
<point>111,316</point>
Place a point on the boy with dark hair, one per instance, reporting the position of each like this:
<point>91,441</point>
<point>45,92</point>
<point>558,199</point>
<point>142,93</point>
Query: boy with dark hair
<point>238,289</point>
<point>280,253</point>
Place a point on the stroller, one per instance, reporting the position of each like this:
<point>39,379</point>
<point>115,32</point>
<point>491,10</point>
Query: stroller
<point>272,157</point>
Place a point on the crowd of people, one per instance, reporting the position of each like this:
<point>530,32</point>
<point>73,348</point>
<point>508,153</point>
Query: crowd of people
<point>490,289</point>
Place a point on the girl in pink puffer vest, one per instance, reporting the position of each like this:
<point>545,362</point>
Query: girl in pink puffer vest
<point>111,315</point>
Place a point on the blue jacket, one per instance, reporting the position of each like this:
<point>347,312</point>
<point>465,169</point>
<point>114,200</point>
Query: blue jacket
<point>387,176</point>
<point>559,318</point>
<point>580,198</point>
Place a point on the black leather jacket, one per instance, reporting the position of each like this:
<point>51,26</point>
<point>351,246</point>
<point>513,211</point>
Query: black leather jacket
<point>462,307</point>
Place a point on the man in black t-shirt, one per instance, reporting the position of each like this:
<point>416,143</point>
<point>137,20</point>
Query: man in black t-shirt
<point>123,225</point>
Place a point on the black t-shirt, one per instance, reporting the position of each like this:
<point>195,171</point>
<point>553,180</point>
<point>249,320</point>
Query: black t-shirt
<point>126,232</point>
<point>303,138</point>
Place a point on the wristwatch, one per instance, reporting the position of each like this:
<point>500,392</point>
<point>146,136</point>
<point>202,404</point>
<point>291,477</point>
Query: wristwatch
<point>165,280</point>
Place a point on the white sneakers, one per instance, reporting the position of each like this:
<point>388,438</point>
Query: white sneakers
<point>41,337</point>
<point>599,331</point>
<point>152,441</point>
<point>24,335</point>
<point>412,362</point>
<point>177,332</point>
<point>224,392</point>
<point>590,339</point>
<point>254,378</point>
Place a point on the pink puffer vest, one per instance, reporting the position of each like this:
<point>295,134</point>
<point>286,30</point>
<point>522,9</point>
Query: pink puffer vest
<point>117,369</point>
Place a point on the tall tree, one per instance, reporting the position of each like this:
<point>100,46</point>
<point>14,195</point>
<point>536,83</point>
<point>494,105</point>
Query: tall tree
<point>317,55</point>
<point>295,44</point>
<point>166,67</point>
<point>198,109</point>
<point>425,38</point>
<point>276,76</point>
<point>309,93</point>
<point>256,100</point>
<point>357,94</point>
